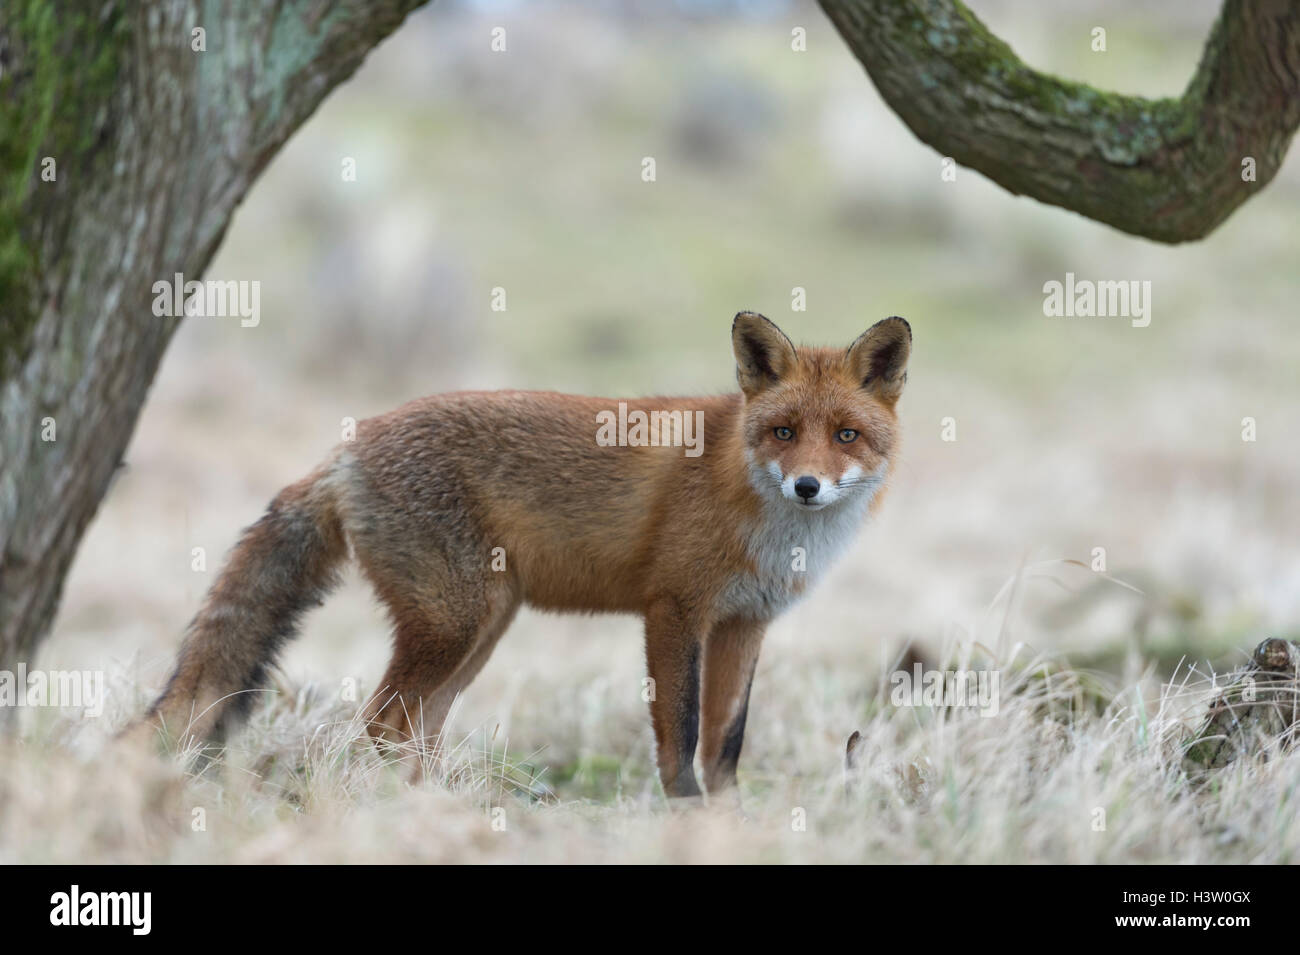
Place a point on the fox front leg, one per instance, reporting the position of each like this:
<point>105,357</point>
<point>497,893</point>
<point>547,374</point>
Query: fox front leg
<point>730,657</point>
<point>673,642</point>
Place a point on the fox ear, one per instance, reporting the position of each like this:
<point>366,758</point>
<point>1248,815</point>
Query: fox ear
<point>763,354</point>
<point>878,357</point>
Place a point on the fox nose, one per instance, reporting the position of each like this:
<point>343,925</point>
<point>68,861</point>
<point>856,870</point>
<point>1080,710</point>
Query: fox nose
<point>807,487</point>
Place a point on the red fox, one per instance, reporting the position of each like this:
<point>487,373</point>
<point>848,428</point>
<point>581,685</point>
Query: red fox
<point>460,507</point>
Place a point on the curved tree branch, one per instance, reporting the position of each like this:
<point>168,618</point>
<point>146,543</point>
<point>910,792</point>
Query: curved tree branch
<point>154,145</point>
<point>1166,169</point>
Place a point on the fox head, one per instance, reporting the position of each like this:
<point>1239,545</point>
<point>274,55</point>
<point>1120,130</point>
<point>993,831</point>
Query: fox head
<point>819,423</point>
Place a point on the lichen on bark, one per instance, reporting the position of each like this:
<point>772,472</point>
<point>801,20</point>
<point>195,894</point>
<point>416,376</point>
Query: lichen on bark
<point>156,143</point>
<point>1168,169</point>
<point>59,66</point>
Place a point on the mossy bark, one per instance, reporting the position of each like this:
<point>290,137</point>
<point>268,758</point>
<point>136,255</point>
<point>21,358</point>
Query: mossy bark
<point>154,144</point>
<point>1167,169</point>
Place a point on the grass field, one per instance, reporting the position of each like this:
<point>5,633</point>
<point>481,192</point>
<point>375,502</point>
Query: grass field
<point>775,170</point>
<point>1065,772</point>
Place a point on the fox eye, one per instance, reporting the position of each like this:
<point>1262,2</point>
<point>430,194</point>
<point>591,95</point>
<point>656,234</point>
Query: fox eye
<point>846,435</point>
<point>783,434</point>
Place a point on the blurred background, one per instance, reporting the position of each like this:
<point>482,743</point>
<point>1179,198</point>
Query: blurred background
<point>775,170</point>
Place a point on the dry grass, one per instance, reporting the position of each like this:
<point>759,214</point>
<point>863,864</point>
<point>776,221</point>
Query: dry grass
<point>1066,771</point>
<point>523,172</point>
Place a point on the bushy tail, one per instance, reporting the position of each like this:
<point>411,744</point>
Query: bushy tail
<point>283,565</point>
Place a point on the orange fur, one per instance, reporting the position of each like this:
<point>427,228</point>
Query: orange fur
<point>433,496</point>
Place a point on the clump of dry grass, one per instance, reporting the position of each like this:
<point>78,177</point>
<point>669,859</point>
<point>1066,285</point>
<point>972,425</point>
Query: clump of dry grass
<point>1065,772</point>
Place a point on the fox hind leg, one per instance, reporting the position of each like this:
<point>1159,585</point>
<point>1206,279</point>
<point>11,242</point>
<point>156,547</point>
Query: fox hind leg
<point>438,648</point>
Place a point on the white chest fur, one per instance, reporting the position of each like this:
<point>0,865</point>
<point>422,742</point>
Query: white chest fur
<point>792,548</point>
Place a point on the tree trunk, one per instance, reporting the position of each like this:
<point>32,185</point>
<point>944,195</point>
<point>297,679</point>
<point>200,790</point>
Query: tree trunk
<point>1167,169</point>
<point>154,145</point>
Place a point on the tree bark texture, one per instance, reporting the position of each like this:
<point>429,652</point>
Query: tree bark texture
<point>154,145</point>
<point>1166,169</point>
